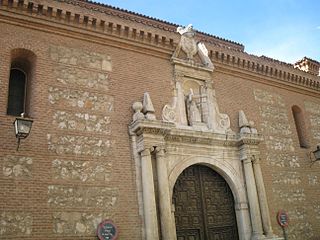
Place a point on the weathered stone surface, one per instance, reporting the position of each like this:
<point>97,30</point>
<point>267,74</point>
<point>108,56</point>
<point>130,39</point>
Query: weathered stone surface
<point>17,166</point>
<point>280,143</point>
<point>288,177</point>
<point>315,133</point>
<point>268,98</point>
<point>275,113</point>
<point>313,179</point>
<point>280,128</point>
<point>87,171</point>
<point>312,107</point>
<point>71,197</point>
<point>75,76</point>
<point>315,120</point>
<point>295,231</point>
<point>290,195</point>
<point>79,145</point>
<point>15,223</point>
<point>79,223</point>
<point>81,99</point>
<point>298,213</point>
<point>283,160</point>
<point>80,58</point>
<point>82,122</point>
<point>316,209</point>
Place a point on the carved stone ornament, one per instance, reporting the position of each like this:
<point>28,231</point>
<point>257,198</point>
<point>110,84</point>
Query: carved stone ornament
<point>189,45</point>
<point>187,42</point>
<point>245,126</point>
<point>137,107</point>
<point>148,108</point>
<point>169,110</point>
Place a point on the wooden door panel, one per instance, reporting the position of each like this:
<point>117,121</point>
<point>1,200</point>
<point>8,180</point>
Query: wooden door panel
<point>204,206</point>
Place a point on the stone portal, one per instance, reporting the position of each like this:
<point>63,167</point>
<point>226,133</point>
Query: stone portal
<point>204,205</point>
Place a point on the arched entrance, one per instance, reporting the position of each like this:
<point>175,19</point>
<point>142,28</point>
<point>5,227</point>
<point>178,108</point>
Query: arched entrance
<point>204,206</point>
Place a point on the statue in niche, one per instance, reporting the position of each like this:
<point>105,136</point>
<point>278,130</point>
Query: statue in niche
<point>193,112</point>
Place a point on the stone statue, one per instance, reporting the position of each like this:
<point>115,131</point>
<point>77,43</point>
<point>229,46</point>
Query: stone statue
<point>193,112</point>
<point>187,43</point>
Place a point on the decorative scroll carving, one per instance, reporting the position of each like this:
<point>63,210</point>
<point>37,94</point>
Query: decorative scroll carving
<point>169,110</point>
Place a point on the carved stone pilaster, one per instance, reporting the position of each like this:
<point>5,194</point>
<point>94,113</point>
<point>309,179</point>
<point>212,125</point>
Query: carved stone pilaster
<point>150,213</point>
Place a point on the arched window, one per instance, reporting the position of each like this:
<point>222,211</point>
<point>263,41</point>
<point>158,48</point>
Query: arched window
<point>17,92</point>
<point>300,126</point>
<point>21,74</point>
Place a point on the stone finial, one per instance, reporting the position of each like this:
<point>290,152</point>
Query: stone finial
<point>245,125</point>
<point>137,107</point>
<point>243,121</point>
<point>148,108</point>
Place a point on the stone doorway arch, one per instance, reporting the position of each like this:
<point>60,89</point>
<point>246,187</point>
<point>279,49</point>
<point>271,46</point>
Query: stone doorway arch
<point>233,179</point>
<point>204,205</point>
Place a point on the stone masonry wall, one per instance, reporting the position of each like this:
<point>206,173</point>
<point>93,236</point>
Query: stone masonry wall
<point>286,164</point>
<point>81,120</point>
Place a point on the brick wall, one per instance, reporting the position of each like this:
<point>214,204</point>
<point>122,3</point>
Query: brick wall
<point>76,168</point>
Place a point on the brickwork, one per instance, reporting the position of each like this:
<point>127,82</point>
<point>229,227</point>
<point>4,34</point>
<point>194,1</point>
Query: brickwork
<point>76,168</point>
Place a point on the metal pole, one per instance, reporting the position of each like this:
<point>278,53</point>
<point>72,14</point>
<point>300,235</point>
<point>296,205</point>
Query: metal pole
<point>285,235</point>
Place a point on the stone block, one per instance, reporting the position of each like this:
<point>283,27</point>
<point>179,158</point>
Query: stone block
<point>288,178</point>
<point>76,196</point>
<point>283,160</point>
<point>81,99</point>
<point>79,145</point>
<point>268,98</point>
<point>86,171</point>
<point>77,223</point>
<point>15,223</point>
<point>82,77</point>
<point>17,166</point>
<point>280,143</point>
<point>80,58</point>
<point>82,122</point>
<point>312,107</point>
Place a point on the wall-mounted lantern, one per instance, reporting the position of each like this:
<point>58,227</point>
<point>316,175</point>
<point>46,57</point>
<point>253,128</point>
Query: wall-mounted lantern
<point>22,128</point>
<point>316,155</point>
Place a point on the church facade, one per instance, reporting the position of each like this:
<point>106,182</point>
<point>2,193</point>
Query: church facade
<point>163,130</point>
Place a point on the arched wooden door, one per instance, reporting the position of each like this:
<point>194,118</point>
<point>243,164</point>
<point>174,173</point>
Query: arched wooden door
<point>204,206</point>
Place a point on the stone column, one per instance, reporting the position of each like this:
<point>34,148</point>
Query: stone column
<point>266,221</point>
<point>167,227</point>
<point>149,203</point>
<point>257,232</point>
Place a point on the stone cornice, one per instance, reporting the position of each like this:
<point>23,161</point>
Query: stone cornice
<point>49,19</point>
<point>267,72</point>
<point>149,21</point>
<point>170,133</point>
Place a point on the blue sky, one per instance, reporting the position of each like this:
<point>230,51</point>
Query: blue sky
<point>286,30</point>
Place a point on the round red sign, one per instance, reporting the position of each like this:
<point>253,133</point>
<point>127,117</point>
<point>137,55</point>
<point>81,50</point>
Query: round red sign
<point>283,219</point>
<point>107,230</point>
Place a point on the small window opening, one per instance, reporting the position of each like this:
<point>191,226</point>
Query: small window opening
<point>300,126</point>
<point>17,92</point>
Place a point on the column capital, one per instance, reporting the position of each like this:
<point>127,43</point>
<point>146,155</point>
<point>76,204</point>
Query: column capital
<point>255,159</point>
<point>160,150</point>
<point>147,151</point>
